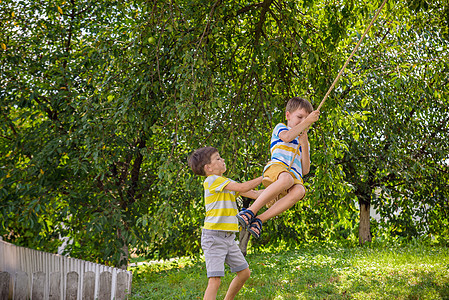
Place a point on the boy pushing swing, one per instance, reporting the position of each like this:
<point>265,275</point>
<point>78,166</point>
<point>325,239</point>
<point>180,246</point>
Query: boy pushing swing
<point>220,225</point>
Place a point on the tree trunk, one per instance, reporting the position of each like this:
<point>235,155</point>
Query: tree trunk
<point>124,256</point>
<point>243,241</point>
<point>364,226</point>
<point>244,235</point>
<point>124,252</point>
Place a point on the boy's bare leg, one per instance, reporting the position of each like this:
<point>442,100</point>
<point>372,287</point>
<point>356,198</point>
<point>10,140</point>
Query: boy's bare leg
<point>296,193</point>
<point>284,182</point>
<point>212,288</point>
<point>237,283</point>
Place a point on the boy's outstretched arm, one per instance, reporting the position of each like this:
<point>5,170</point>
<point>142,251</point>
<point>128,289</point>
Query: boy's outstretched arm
<point>289,135</point>
<point>253,194</point>
<point>243,187</point>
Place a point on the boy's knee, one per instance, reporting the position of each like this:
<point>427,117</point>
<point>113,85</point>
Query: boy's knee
<point>214,281</point>
<point>298,192</point>
<point>286,180</point>
<point>244,274</point>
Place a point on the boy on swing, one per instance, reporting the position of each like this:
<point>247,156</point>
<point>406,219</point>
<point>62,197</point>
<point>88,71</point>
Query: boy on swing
<point>220,225</point>
<point>281,173</point>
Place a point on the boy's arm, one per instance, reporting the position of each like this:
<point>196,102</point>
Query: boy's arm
<point>289,135</point>
<point>243,187</point>
<point>253,194</point>
<point>305,158</point>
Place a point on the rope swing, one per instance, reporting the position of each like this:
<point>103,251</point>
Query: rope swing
<point>341,71</point>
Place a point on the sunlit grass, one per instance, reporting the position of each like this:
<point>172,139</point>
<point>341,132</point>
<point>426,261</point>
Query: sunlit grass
<point>398,272</point>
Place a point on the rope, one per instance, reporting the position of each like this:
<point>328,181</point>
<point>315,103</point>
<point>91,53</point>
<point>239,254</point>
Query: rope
<point>342,69</point>
<point>352,54</point>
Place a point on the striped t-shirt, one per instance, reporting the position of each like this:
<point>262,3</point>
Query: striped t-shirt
<point>221,207</point>
<point>282,152</point>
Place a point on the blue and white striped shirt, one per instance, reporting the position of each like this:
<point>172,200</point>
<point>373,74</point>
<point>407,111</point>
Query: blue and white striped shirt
<point>282,152</point>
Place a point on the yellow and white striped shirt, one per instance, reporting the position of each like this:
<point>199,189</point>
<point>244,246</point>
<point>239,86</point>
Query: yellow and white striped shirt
<point>221,207</point>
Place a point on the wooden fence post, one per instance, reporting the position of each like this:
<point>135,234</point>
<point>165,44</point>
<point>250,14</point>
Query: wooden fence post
<point>89,286</point>
<point>38,286</point>
<point>122,289</point>
<point>72,286</point>
<point>5,280</point>
<point>21,286</point>
<point>105,286</point>
<point>54,292</point>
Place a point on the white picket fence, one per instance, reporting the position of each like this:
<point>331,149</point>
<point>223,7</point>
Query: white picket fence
<point>26,273</point>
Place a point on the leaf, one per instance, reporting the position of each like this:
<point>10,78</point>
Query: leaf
<point>365,101</point>
<point>60,10</point>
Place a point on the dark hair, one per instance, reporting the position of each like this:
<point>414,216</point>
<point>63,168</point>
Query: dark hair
<point>199,158</point>
<point>297,102</point>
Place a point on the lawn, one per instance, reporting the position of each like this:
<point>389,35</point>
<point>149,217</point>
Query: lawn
<point>412,271</point>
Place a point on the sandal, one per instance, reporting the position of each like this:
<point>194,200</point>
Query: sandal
<point>257,225</point>
<point>249,215</point>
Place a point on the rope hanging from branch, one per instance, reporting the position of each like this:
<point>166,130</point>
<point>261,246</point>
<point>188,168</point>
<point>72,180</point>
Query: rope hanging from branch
<point>342,69</point>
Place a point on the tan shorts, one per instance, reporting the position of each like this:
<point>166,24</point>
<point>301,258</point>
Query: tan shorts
<point>274,170</point>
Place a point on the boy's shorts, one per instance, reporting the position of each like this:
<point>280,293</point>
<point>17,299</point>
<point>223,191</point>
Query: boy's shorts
<point>219,247</point>
<point>274,170</point>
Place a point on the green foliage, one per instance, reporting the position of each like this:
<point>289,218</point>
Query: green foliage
<point>102,102</point>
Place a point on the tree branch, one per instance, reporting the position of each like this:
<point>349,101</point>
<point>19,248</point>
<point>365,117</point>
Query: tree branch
<point>243,10</point>
<point>258,30</point>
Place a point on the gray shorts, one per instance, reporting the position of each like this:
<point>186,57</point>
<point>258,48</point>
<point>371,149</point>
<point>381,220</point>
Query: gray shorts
<point>219,247</point>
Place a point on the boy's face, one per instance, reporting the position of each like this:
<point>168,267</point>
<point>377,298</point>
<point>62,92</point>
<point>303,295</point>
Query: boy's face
<point>216,166</point>
<point>296,117</point>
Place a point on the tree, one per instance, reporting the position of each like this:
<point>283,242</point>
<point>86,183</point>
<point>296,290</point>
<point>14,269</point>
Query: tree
<point>101,104</point>
<point>398,96</point>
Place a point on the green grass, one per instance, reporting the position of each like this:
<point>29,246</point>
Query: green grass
<point>400,272</point>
